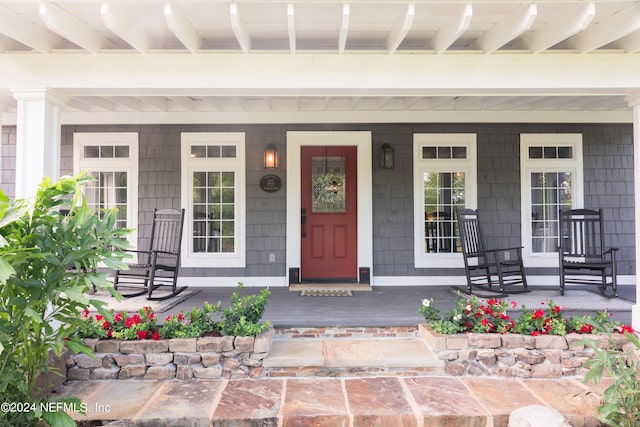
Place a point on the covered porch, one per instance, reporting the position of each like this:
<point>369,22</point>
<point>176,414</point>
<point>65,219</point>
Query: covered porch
<point>157,69</point>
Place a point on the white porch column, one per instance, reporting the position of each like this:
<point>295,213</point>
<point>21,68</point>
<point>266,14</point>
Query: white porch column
<point>37,138</point>
<point>635,103</point>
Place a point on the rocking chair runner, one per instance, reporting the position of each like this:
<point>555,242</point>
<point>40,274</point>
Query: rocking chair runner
<point>583,258</point>
<point>159,266</point>
<point>481,264</point>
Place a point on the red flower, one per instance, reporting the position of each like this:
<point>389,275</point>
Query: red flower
<point>85,313</point>
<point>155,336</point>
<point>514,304</point>
<point>128,322</point>
<point>180,316</point>
<point>152,315</point>
<point>118,317</point>
<point>168,318</point>
<point>484,322</point>
<point>534,333</point>
<point>626,328</point>
<point>136,319</point>
<point>556,309</point>
<point>586,329</point>
<point>109,333</point>
<point>106,325</point>
<point>504,316</point>
<point>99,317</point>
<point>538,314</point>
<point>143,335</point>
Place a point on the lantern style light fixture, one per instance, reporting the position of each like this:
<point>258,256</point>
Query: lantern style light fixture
<point>271,157</point>
<point>386,156</point>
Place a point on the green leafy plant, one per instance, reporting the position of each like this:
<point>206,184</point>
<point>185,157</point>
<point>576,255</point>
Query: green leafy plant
<point>620,405</point>
<point>243,317</point>
<point>48,261</point>
<point>198,322</point>
<point>474,315</point>
<point>478,315</point>
<point>547,321</point>
<point>600,323</point>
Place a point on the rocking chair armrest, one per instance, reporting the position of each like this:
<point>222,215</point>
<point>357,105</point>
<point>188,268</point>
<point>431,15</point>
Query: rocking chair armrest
<point>136,251</point>
<point>163,252</point>
<point>515,248</point>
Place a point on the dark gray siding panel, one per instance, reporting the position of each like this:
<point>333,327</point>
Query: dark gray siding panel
<point>608,183</point>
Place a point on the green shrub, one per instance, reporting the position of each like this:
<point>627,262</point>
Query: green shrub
<point>243,317</point>
<point>620,405</point>
<point>196,323</point>
<point>48,261</point>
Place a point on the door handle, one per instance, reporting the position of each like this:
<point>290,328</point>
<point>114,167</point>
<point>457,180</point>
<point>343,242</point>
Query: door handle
<point>303,221</point>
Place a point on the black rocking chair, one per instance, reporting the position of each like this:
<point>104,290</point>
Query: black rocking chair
<point>583,258</point>
<point>159,266</point>
<point>481,264</point>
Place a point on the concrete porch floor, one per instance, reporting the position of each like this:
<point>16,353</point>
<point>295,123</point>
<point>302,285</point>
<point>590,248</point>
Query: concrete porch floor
<point>398,305</point>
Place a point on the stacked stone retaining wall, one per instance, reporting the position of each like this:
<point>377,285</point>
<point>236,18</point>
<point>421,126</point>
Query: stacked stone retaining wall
<point>514,355</point>
<point>180,358</point>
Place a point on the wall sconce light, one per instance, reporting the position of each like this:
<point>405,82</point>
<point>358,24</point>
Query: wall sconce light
<point>386,156</point>
<point>271,157</point>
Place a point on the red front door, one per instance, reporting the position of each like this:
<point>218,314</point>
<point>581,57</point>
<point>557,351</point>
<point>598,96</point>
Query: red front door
<point>329,214</point>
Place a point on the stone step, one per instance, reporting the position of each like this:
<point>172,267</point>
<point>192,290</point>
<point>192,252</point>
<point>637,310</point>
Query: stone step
<point>388,401</point>
<point>353,357</point>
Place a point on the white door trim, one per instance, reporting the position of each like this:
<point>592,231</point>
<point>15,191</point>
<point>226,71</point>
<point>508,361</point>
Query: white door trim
<point>362,140</point>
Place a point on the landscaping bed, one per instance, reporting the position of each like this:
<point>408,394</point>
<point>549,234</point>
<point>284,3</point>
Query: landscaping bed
<point>178,358</point>
<point>516,355</point>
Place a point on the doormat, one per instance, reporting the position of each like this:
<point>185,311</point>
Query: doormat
<point>326,293</point>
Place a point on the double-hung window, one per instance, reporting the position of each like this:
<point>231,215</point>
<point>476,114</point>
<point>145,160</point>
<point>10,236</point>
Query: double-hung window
<point>213,192</point>
<point>551,180</point>
<point>111,158</point>
<point>445,176</point>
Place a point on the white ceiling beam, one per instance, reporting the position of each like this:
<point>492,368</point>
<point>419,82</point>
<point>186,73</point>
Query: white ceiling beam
<point>120,24</point>
<point>130,102</point>
<point>512,26</point>
<point>400,30</point>
<point>181,27</point>
<point>344,28</point>
<point>100,102</point>
<point>185,102</point>
<point>452,30</point>
<point>77,104</point>
<point>239,29</point>
<point>413,101</point>
<point>438,101</point>
<point>564,26</point>
<point>384,100</point>
<point>156,102</point>
<point>291,27</point>
<point>71,28</point>
<point>631,43</point>
<point>616,26</point>
<point>26,32</point>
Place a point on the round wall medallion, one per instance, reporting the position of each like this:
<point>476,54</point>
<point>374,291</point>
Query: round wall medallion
<point>270,183</point>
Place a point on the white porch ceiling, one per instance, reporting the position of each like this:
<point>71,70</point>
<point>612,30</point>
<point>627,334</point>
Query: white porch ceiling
<point>59,29</point>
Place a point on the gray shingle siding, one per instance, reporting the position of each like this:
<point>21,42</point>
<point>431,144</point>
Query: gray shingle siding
<point>608,183</point>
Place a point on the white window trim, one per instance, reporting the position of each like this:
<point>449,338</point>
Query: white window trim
<point>420,165</point>
<point>237,165</point>
<point>575,166</point>
<point>130,165</point>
